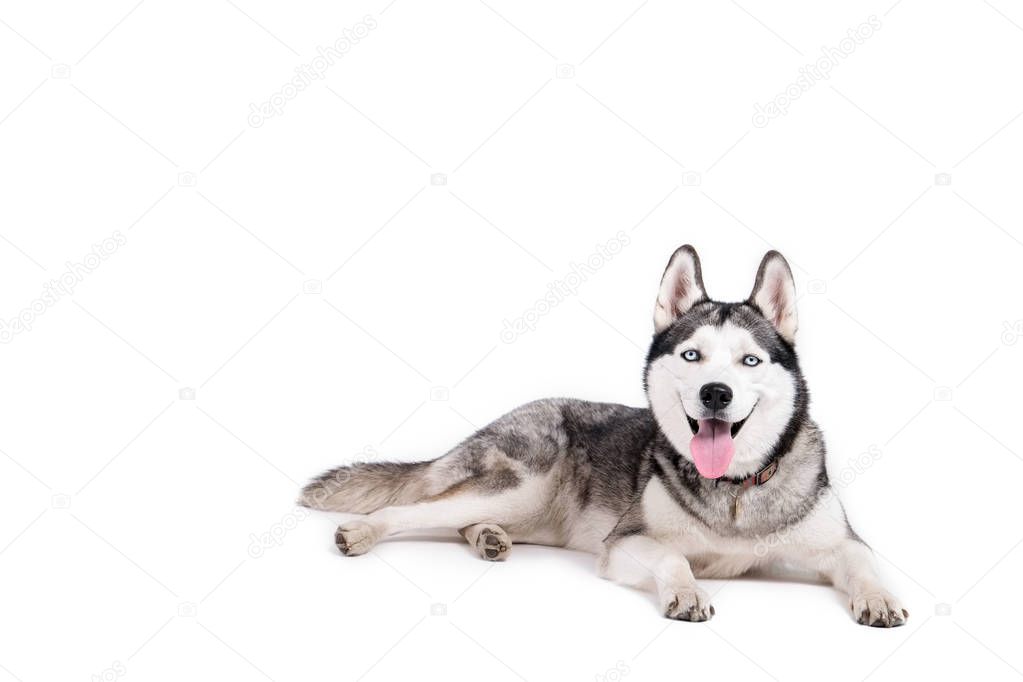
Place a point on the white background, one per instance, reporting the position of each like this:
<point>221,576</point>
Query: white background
<point>130,534</point>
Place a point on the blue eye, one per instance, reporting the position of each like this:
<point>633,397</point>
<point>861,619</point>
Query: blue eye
<point>750,360</point>
<point>691,355</point>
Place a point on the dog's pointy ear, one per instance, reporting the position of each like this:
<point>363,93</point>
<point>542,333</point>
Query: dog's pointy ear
<point>681,287</point>
<point>774,293</point>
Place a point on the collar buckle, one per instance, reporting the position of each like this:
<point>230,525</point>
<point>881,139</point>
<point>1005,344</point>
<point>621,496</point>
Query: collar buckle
<point>761,477</point>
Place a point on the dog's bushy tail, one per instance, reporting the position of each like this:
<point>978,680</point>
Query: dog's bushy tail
<point>366,487</point>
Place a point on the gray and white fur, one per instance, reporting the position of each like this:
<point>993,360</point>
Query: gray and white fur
<point>632,485</point>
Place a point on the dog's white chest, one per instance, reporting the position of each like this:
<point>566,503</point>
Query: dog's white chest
<point>711,554</point>
<point>671,523</point>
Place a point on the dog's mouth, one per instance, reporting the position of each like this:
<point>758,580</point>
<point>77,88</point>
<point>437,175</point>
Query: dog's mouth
<point>694,425</point>
<point>713,444</point>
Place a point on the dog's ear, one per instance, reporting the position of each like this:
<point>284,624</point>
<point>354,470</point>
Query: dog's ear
<point>774,293</point>
<point>681,287</point>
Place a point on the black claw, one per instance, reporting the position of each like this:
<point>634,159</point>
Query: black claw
<point>339,540</point>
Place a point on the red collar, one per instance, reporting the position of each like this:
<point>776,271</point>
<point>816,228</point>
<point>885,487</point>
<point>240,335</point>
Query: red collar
<point>759,478</point>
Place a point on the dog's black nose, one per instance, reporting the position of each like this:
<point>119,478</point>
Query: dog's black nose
<point>716,396</point>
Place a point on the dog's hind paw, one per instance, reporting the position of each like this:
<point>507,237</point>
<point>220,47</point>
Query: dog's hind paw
<point>493,543</point>
<point>878,609</point>
<point>692,604</point>
<point>355,538</point>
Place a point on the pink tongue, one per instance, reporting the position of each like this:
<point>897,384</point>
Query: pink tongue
<point>712,448</point>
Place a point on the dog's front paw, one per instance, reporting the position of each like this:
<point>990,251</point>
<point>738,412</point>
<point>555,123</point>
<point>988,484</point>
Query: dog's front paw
<point>878,609</point>
<point>355,538</point>
<point>691,603</point>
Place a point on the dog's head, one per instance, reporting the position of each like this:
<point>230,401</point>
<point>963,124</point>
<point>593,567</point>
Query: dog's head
<point>723,379</point>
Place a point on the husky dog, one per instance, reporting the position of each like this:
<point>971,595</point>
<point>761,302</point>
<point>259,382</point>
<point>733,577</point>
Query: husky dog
<point>723,473</point>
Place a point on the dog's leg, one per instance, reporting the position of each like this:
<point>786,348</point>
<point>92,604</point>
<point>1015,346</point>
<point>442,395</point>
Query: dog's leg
<point>490,540</point>
<point>850,567</point>
<point>457,510</point>
<point>823,542</point>
<point>487,487</point>
<point>635,559</point>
